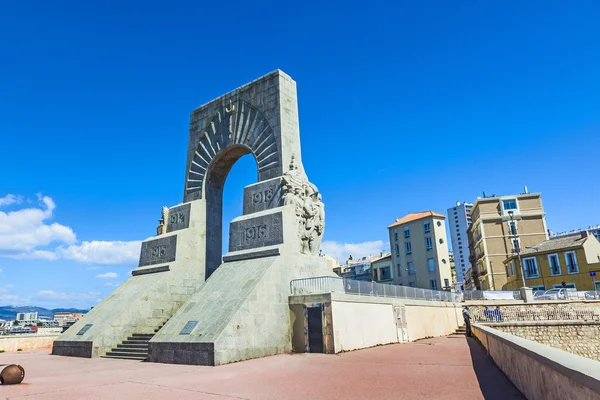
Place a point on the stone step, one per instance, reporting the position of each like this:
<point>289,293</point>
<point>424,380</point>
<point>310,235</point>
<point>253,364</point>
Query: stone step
<point>136,341</point>
<point>126,357</point>
<point>146,336</point>
<point>133,345</point>
<point>124,348</point>
<point>142,356</point>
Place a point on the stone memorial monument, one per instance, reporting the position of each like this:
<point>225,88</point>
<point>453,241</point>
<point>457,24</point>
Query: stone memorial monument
<point>194,305</point>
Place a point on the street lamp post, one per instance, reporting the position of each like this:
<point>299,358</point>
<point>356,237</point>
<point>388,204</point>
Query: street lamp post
<point>517,248</point>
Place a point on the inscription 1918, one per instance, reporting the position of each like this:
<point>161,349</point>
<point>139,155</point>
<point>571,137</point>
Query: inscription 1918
<point>263,196</point>
<point>255,233</point>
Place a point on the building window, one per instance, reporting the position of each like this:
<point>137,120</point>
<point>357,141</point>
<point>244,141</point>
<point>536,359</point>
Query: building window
<point>571,260</point>
<point>397,250</point>
<point>396,235</point>
<point>510,204</point>
<point>539,288</point>
<point>431,264</point>
<point>406,232</point>
<point>385,274</point>
<point>531,270</point>
<point>512,227</point>
<point>438,223</point>
<point>567,286</point>
<point>443,261</point>
<point>428,244</point>
<point>433,284</point>
<point>399,270</point>
<point>441,241</point>
<point>512,268</point>
<point>411,268</point>
<point>446,283</point>
<point>412,284</point>
<point>507,270</point>
<point>427,226</point>
<point>516,244</point>
<point>408,248</point>
<point>554,262</point>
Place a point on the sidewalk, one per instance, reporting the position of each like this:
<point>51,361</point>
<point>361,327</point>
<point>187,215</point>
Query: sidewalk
<point>439,368</point>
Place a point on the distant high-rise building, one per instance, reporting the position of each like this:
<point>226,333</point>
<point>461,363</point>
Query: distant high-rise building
<point>459,219</point>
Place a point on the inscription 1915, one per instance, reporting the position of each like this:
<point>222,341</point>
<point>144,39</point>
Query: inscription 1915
<point>263,196</point>
<point>157,252</point>
<point>255,233</point>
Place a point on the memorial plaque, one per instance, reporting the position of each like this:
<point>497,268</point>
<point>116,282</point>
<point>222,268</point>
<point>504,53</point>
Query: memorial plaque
<point>158,251</point>
<point>262,196</point>
<point>179,218</point>
<point>188,328</point>
<point>266,230</point>
<point>85,328</point>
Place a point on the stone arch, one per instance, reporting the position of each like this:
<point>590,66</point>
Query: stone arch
<point>238,125</point>
<point>214,183</point>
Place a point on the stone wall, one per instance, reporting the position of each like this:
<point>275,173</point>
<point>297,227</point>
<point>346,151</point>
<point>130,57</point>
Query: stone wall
<point>577,337</point>
<point>26,342</point>
<point>539,371</point>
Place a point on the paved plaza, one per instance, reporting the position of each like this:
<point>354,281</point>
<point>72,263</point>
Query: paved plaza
<point>440,368</point>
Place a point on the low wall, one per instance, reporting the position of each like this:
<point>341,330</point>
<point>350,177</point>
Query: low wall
<point>577,337</point>
<point>26,342</point>
<point>539,371</point>
<point>353,322</point>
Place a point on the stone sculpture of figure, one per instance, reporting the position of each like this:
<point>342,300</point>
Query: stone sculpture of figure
<point>162,222</point>
<point>308,207</point>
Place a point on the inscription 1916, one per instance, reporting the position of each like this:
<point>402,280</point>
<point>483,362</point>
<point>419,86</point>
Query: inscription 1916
<point>263,196</point>
<point>255,233</point>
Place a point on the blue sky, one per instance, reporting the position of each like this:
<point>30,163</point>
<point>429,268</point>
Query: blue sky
<point>404,106</point>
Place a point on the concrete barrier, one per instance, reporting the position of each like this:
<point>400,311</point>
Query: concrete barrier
<point>10,343</point>
<point>539,371</point>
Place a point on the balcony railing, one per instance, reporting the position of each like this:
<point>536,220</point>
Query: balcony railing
<point>329,284</point>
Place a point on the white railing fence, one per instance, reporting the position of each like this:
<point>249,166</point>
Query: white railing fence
<point>330,284</point>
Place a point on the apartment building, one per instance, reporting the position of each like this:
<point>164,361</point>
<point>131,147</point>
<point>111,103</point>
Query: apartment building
<point>382,268</point>
<point>501,224</point>
<point>420,252</point>
<point>566,258</point>
<point>459,219</point>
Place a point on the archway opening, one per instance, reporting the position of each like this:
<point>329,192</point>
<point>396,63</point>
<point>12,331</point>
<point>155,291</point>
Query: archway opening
<point>224,188</point>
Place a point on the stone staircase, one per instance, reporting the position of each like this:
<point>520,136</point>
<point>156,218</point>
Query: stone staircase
<point>462,330</point>
<point>134,348</point>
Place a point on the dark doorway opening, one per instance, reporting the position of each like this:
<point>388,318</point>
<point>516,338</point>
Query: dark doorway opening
<point>315,329</point>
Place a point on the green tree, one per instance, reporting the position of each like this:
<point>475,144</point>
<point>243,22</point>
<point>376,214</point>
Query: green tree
<point>15,322</point>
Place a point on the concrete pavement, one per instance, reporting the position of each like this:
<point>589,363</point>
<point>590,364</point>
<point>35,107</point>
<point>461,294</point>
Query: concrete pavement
<point>440,368</point>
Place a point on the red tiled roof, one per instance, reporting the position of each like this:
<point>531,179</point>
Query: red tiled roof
<point>416,216</point>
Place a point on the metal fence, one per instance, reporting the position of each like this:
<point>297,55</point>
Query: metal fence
<point>491,295</point>
<point>534,312</point>
<point>329,284</point>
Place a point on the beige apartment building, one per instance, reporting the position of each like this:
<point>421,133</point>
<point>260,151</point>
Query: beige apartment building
<point>501,224</point>
<point>420,252</point>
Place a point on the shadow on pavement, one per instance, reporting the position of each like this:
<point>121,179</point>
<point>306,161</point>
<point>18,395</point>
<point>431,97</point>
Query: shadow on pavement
<point>493,383</point>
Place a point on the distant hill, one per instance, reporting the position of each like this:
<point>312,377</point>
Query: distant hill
<point>9,313</point>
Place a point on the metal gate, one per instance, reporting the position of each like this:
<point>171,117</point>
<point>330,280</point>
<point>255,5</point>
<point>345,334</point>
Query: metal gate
<point>314,316</point>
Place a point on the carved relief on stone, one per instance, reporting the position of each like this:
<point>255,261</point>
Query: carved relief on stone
<point>162,222</point>
<point>310,211</point>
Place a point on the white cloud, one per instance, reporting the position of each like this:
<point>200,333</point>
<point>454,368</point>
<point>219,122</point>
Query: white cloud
<point>108,275</point>
<point>24,230</point>
<point>103,252</point>
<point>341,251</point>
<point>112,284</point>
<point>10,199</point>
